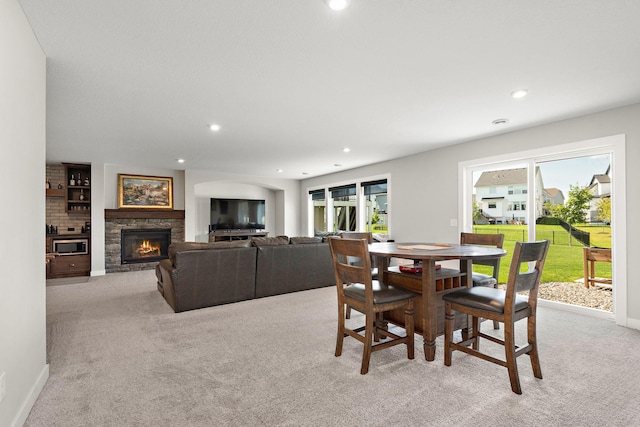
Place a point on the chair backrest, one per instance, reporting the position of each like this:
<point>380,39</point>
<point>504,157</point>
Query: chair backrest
<point>357,235</point>
<point>526,278</point>
<point>495,240</point>
<point>343,250</point>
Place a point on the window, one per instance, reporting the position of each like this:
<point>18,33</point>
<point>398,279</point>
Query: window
<point>362,205</point>
<point>492,205</point>
<point>344,207</point>
<point>375,194</point>
<point>318,200</point>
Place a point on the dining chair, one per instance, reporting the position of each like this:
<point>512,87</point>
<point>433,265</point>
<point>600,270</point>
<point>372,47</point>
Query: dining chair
<point>369,238</point>
<point>481,279</point>
<point>357,289</point>
<point>505,306</point>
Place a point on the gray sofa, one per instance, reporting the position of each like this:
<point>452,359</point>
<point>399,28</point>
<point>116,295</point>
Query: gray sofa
<point>198,275</point>
<point>290,265</point>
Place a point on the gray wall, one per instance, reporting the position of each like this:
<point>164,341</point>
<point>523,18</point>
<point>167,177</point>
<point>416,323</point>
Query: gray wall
<point>22,290</point>
<point>424,187</point>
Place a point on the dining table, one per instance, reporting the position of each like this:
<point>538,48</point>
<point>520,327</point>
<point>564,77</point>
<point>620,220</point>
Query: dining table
<point>430,278</point>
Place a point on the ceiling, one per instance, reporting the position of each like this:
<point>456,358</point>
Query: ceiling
<point>292,82</point>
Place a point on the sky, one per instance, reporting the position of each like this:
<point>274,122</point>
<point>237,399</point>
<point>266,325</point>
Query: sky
<point>578,171</point>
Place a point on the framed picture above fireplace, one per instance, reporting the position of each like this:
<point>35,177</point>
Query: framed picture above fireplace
<point>145,192</point>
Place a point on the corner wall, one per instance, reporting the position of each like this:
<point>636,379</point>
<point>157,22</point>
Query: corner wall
<point>22,291</point>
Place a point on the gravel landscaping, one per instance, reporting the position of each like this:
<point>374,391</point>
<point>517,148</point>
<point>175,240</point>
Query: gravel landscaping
<point>575,293</point>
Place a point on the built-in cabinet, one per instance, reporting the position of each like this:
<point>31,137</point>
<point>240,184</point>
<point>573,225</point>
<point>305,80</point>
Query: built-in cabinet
<point>68,195</point>
<point>78,192</point>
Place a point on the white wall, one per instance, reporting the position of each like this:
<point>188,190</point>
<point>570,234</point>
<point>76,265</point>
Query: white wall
<point>282,198</point>
<point>22,289</point>
<point>424,188</point>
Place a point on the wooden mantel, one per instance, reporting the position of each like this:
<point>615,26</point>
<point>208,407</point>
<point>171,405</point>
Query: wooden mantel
<point>143,213</point>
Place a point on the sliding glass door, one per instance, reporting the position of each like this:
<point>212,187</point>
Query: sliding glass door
<point>564,194</point>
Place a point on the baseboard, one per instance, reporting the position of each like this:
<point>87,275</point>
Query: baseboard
<point>576,309</point>
<point>633,323</point>
<point>28,403</point>
<point>98,273</point>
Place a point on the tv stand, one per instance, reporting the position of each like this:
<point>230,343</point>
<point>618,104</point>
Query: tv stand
<point>226,235</point>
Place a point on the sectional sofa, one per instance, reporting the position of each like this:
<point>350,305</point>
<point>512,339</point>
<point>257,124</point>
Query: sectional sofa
<point>198,275</point>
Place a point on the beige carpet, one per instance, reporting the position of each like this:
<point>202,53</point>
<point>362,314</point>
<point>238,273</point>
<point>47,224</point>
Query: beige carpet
<point>120,357</point>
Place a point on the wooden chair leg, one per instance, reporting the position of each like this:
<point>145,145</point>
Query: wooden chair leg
<point>448,333</point>
<point>475,329</point>
<point>368,338</point>
<point>496,324</point>
<point>510,356</point>
<point>408,327</point>
<point>533,341</point>
<point>340,338</point>
<point>348,315</point>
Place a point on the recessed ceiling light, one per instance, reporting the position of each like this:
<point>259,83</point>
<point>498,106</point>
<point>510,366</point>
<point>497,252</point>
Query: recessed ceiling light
<point>305,173</point>
<point>338,165</point>
<point>337,4</point>
<point>520,93</point>
<point>180,160</point>
<point>279,170</point>
<point>500,121</point>
<point>346,149</point>
<point>214,127</point>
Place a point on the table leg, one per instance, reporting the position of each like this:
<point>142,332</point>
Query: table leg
<point>466,266</point>
<point>429,309</point>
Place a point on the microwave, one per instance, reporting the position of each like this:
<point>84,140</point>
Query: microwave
<point>70,246</point>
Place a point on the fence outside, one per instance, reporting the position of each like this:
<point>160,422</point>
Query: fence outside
<point>556,237</point>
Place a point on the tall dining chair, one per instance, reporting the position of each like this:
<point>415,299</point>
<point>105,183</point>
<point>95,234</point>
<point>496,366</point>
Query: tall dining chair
<point>357,289</point>
<point>505,306</point>
<point>368,236</point>
<point>481,279</point>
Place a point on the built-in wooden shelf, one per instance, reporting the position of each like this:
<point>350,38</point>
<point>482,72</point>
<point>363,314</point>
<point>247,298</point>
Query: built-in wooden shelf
<point>56,192</point>
<point>143,213</point>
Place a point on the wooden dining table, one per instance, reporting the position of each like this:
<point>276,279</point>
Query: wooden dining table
<point>431,283</point>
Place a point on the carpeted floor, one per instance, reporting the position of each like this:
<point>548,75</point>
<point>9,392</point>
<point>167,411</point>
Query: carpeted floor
<point>120,357</point>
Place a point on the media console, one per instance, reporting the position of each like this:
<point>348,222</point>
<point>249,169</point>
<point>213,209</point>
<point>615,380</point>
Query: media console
<point>222,235</point>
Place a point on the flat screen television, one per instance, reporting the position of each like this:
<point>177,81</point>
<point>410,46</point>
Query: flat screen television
<point>237,214</point>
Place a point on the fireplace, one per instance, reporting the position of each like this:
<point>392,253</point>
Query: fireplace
<point>144,245</point>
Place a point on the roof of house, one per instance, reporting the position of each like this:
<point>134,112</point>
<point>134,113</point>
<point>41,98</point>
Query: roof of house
<point>502,177</point>
<point>601,178</point>
<point>553,192</point>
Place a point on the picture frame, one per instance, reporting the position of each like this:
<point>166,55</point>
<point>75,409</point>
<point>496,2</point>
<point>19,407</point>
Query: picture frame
<point>145,192</point>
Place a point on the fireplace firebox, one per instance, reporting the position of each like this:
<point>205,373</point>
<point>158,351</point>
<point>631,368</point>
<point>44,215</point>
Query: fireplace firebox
<point>144,245</point>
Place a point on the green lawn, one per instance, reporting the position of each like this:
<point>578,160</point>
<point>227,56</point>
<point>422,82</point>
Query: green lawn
<point>564,261</point>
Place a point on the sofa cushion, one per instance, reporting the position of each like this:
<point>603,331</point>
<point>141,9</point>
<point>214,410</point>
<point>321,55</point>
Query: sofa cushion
<point>195,246</point>
<point>305,240</point>
<point>326,235</point>
<point>270,241</point>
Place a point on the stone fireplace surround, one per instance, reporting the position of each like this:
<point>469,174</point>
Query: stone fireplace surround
<point>117,220</point>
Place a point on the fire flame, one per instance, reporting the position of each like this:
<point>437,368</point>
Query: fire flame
<point>147,248</point>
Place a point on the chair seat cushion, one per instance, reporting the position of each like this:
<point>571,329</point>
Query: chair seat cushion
<point>382,294</point>
<point>483,298</point>
<point>480,279</point>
